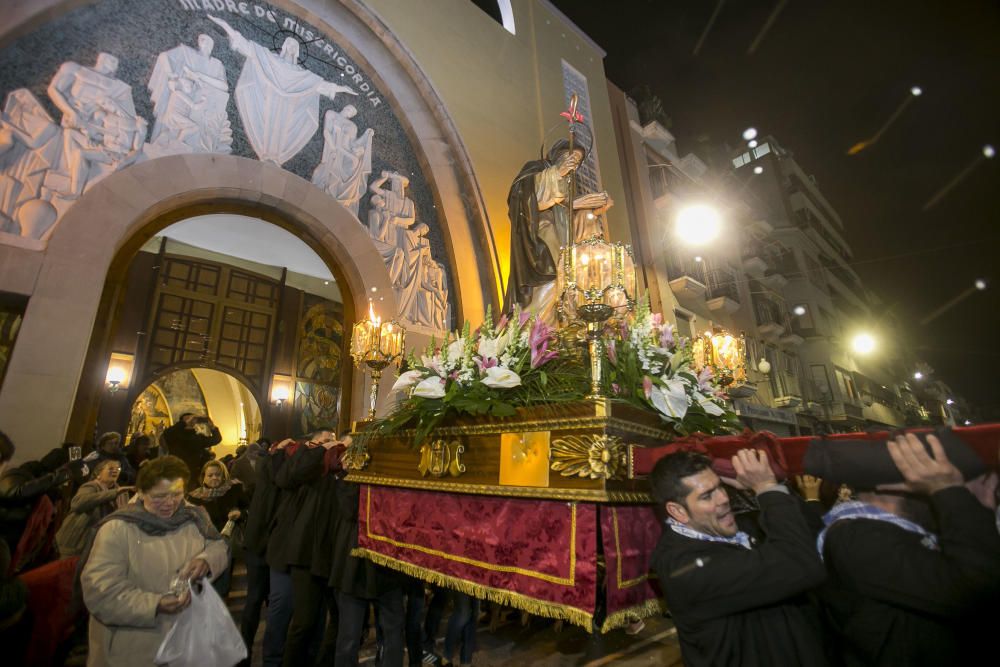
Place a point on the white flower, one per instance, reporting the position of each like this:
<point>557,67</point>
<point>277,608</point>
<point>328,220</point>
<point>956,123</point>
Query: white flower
<point>455,350</point>
<point>710,406</point>
<point>499,377</point>
<point>492,348</point>
<point>432,387</point>
<point>672,400</point>
<point>434,363</point>
<point>407,380</point>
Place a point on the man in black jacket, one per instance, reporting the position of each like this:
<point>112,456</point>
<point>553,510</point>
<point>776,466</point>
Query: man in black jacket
<point>189,440</point>
<point>735,602</point>
<point>900,594</point>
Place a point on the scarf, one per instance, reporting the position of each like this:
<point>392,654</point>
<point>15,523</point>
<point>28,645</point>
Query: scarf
<point>858,510</point>
<point>740,539</point>
<point>205,493</point>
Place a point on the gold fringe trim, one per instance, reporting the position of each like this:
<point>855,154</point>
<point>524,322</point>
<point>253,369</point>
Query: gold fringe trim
<point>624,617</point>
<point>500,596</point>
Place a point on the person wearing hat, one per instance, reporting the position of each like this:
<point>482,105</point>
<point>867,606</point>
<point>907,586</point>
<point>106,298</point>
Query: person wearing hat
<point>736,600</point>
<point>914,568</point>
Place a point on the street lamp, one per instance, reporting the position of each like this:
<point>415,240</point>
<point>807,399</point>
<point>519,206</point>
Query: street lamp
<point>698,224</point>
<point>863,343</point>
<point>918,376</point>
<point>750,133</point>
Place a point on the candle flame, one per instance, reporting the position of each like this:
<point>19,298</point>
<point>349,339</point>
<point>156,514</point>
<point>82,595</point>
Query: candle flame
<point>371,315</point>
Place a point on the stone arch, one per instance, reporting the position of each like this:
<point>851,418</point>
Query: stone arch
<point>65,338</point>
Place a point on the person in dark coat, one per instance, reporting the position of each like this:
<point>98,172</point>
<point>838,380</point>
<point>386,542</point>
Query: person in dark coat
<point>139,450</point>
<point>300,540</point>
<point>190,439</point>
<point>900,594</point>
<point>359,583</point>
<point>224,500</point>
<point>109,446</point>
<point>264,505</point>
<point>736,601</point>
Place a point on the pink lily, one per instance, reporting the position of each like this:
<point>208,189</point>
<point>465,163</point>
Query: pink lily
<point>667,337</point>
<point>538,340</point>
<point>705,379</point>
<point>647,386</point>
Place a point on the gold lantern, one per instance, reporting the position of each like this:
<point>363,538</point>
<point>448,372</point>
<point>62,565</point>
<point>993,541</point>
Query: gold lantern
<point>724,353</point>
<point>595,279</point>
<point>376,344</point>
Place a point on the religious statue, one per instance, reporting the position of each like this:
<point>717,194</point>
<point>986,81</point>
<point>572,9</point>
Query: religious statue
<point>277,98</point>
<point>189,91</point>
<point>431,307</point>
<point>30,145</point>
<point>347,158</point>
<point>391,210</point>
<point>540,225</point>
<point>101,131</point>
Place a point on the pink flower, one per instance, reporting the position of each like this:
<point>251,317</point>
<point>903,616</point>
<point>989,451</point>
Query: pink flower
<point>502,323</point>
<point>538,340</point>
<point>657,319</point>
<point>612,352</point>
<point>667,337</point>
<point>647,386</point>
<point>616,389</point>
<point>524,317</point>
<point>486,363</point>
<point>705,379</point>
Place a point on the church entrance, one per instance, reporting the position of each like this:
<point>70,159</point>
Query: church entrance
<point>229,316</point>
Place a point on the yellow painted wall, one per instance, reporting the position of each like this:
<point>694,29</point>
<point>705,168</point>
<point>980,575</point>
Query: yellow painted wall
<point>505,91</point>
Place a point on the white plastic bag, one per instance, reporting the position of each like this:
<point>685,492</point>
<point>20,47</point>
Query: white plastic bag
<point>204,634</point>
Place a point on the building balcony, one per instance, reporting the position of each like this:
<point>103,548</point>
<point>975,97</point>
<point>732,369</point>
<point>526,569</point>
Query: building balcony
<point>770,315</point>
<point>791,339</point>
<point>774,280</point>
<point>754,265</point>
<point>723,292</point>
<point>687,277</point>
<point>787,401</point>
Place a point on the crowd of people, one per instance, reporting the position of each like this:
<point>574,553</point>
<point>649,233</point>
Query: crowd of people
<point>753,571</point>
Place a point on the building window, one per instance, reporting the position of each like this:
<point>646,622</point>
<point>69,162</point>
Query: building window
<point>821,381</point>
<point>761,151</point>
<point>500,11</point>
<point>588,175</point>
<point>846,384</point>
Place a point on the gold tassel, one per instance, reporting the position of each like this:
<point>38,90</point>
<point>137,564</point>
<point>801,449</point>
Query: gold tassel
<point>623,617</point>
<point>509,598</point>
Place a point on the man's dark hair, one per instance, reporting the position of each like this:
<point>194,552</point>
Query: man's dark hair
<point>165,467</point>
<point>6,448</point>
<point>667,478</point>
<point>186,414</point>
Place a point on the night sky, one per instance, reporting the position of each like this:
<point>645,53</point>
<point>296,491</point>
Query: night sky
<point>826,76</point>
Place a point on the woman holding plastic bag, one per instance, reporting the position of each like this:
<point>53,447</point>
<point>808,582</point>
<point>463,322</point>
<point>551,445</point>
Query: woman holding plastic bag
<point>135,578</point>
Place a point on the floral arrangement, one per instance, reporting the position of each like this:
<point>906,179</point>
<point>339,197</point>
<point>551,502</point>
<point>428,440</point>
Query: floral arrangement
<point>651,367</point>
<point>520,361</point>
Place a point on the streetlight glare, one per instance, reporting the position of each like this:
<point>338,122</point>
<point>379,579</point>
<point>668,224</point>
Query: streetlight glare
<point>863,343</point>
<point>750,133</point>
<point>758,170</point>
<point>980,284</point>
<point>916,91</point>
<point>799,310</point>
<point>752,143</point>
<point>698,224</point>
<point>989,151</point>
<point>918,376</point>
<point>950,401</point>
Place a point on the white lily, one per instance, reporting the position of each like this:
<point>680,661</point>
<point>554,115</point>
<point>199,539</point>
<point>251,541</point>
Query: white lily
<point>432,387</point>
<point>455,350</point>
<point>710,406</point>
<point>492,348</point>
<point>671,400</point>
<point>407,380</point>
<point>434,363</point>
<point>499,377</point>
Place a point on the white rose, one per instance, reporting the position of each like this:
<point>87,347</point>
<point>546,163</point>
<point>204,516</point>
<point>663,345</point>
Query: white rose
<point>407,380</point>
<point>432,387</point>
<point>499,377</point>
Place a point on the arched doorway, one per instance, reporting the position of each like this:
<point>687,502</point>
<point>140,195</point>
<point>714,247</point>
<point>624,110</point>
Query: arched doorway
<point>223,398</point>
<point>234,302</point>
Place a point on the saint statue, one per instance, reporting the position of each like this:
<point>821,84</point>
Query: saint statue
<point>189,91</point>
<point>540,225</point>
<point>101,131</point>
<point>391,209</point>
<point>277,98</point>
<point>347,158</point>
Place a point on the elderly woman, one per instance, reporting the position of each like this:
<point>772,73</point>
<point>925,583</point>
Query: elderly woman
<point>140,552</point>
<point>93,501</point>
<point>225,500</point>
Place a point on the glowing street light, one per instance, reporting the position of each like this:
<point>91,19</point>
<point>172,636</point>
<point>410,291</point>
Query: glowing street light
<point>989,151</point>
<point>799,310</point>
<point>980,284</point>
<point>698,224</point>
<point>750,133</point>
<point>758,170</point>
<point>752,143</point>
<point>916,91</point>
<point>863,343</point>
<point>918,376</point>
<point>950,402</point>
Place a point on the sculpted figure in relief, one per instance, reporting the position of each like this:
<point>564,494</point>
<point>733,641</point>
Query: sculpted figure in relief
<point>189,92</point>
<point>30,145</point>
<point>101,131</point>
<point>277,98</point>
<point>347,158</point>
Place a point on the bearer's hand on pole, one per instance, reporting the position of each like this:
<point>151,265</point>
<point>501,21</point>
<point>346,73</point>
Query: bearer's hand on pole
<point>753,471</point>
<point>924,473</point>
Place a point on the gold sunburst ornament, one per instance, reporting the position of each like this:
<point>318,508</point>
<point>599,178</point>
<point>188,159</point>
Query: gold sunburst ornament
<point>592,456</point>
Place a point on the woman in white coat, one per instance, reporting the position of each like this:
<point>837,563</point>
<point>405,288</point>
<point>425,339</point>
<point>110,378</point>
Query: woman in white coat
<point>129,575</point>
